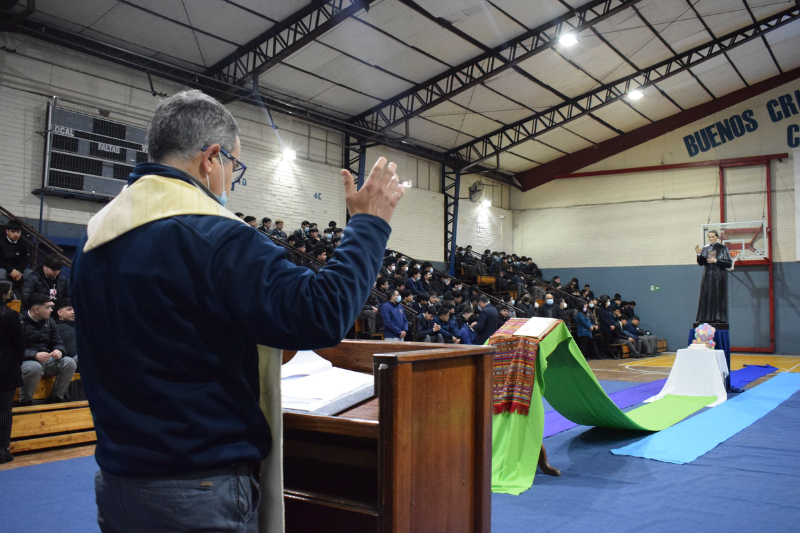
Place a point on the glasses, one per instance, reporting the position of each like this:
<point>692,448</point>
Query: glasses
<point>238,166</point>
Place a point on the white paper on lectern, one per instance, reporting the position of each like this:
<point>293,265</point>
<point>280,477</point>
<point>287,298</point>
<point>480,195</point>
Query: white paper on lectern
<point>536,327</point>
<point>305,363</point>
<point>309,382</point>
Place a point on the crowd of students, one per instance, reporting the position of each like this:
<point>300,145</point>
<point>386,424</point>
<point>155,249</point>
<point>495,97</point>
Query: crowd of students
<point>411,302</point>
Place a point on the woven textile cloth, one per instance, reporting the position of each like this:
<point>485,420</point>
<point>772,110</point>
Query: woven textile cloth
<point>513,372</point>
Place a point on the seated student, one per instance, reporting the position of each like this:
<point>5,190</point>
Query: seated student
<point>623,337</point>
<point>240,215</point>
<point>266,226</point>
<point>327,235</point>
<point>251,220</point>
<point>278,230</point>
<point>14,256</point>
<point>388,267</point>
<point>505,315</point>
<point>569,312</point>
<point>426,281</point>
<point>630,310</point>
<point>464,318</point>
<point>395,323</point>
<point>509,302</point>
<point>450,332</point>
<point>383,286</point>
<point>313,239</point>
<point>47,280</point>
<point>527,307</point>
<point>421,303</point>
<point>299,259</point>
<point>336,241</point>
<point>427,329</point>
<point>550,309</point>
<point>586,340</point>
<point>616,302</point>
<point>320,253</point>
<point>649,343</point>
<point>556,282</point>
<point>302,232</point>
<point>44,352</point>
<point>65,322</point>
<point>413,282</point>
<point>407,297</point>
<point>338,232</point>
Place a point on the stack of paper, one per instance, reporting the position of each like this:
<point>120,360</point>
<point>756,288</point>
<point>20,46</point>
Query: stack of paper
<point>311,383</point>
<point>537,327</point>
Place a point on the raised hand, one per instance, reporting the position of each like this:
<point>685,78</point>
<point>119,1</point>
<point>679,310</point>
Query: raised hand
<point>380,193</point>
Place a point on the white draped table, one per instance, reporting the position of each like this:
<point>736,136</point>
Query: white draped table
<point>697,373</point>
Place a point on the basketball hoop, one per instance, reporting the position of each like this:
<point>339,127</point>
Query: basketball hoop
<point>734,257</point>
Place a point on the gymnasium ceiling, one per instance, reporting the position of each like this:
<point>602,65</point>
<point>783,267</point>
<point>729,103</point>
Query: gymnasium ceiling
<point>485,84</point>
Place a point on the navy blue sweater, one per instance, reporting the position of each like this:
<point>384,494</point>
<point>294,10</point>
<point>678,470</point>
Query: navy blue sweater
<point>170,314</point>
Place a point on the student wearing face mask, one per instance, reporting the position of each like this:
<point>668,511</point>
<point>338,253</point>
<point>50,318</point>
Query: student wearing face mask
<point>395,323</point>
<point>526,306</point>
<point>550,309</point>
<point>413,282</point>
<point>586,330</point>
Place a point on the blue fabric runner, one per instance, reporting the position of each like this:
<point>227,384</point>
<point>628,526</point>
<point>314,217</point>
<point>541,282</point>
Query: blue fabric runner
<point>696,436</point>
<point>555,423</point>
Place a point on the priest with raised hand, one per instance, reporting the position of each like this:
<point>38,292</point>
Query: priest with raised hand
<point>183,311</point>
<point>716,260</point>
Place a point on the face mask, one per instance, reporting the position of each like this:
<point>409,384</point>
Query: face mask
<point>405,269</point>
<point>224,198</point>
<point>591,305</point>
<point>512,302</point>
<point>549,301</point>
<point>397,298</point>
<point>418,278</point>
<point>536,305</point>
<point>563,306</point>
<point>584,309</point>
<point>391,268</point>
<point>608,304</point>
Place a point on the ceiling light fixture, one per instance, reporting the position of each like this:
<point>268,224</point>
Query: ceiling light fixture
<point>487,203</point>
<point>289,154</point>
<point>567,40</point>
<point>406,183</point>
<point>635,94</point>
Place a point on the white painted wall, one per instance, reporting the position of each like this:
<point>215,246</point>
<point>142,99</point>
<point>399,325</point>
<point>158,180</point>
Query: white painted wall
<point>654,218</point>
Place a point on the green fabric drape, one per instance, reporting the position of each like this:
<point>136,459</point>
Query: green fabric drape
<point>569,385</point>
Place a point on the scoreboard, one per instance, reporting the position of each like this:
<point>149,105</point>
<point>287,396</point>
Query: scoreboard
<point>89,156</point>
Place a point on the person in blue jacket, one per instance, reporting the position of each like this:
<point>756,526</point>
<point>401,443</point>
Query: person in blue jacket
<point>180,304</point>
<point>586,340</point>
<point>395,323</point>
<point>446,330</point>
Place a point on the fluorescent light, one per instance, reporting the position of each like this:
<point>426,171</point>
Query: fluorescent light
<point>635,94</point>
<point>487,203</point>
<point>406,183</point>
<point>289,154</point>
<point>567,40</point>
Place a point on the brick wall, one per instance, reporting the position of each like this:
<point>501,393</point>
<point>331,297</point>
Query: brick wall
<point>309,187</point>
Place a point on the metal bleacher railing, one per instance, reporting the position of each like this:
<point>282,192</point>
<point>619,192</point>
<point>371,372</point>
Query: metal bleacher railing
<point>493,299</point>
<point>574,301</point>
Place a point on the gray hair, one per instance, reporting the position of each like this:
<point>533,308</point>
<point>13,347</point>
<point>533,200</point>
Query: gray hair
<point>187,122</point>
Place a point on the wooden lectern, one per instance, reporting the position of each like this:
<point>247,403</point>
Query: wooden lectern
<point>415,458</point>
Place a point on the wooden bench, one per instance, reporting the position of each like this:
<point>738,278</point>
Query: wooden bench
<point>45,387</point>
<point>48,426</point>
